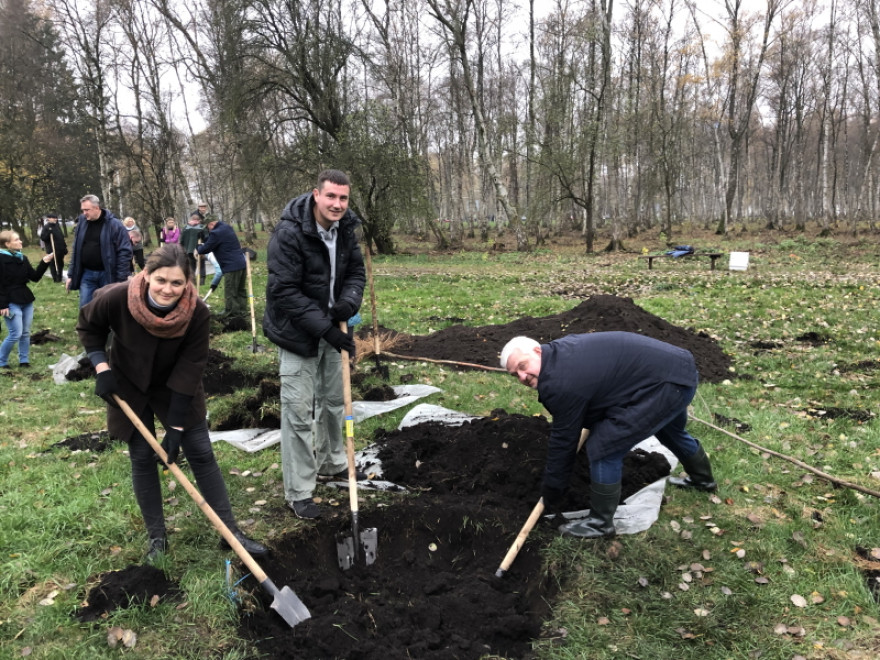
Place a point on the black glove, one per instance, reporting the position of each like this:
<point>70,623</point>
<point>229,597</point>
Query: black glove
<point>339,340</point>
<point>342,311</point>
<point>171,443</point>
<point>553,504</point>
<point>105,386</point>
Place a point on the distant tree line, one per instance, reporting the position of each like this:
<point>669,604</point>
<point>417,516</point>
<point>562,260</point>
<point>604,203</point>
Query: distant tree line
<point>454,118</point>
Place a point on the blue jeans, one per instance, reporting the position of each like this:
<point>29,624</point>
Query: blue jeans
<point>19,327</point>
<point>92,280</point>
<point>670,431</point>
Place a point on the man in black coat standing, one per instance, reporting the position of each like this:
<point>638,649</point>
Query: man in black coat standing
<point>316,281</point>
<point>54,243</point>
<point>624,387</point>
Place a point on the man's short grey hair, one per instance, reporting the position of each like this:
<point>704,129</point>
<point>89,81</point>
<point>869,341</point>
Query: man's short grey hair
<point>94,200</point>
<point>521,343</point>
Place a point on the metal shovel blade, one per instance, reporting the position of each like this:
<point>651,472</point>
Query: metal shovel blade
<point>287,604</point>
<point>345,550</point>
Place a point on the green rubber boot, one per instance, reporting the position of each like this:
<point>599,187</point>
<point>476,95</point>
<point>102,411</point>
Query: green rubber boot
<point>699,473</point>
<point>604,499</point>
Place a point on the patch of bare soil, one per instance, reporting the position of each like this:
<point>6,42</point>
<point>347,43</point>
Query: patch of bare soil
<point>43,337</point>
<point>121,589</point>
<point>223,377</point>
<point>432,592</point>
<point>94,442</point>
<point>481,345</point>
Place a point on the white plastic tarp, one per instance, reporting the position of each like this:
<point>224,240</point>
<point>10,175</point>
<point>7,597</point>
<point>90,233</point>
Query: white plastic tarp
<point>253,440</point>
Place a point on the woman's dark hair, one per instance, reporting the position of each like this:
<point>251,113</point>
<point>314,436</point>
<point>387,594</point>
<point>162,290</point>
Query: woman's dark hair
<point>169,256</point>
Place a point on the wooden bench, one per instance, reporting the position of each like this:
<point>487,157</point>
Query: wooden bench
<point>714,256</point>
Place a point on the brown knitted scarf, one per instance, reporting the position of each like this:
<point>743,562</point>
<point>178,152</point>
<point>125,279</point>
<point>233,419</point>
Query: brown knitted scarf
<point>170,326</point>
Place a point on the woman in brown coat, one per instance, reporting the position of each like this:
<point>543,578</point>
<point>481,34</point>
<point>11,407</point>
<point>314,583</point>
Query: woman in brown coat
<point>160,349</point>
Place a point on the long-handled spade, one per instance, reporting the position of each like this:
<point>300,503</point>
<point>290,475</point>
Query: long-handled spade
<point>533,518</point>
<point>361,544</point>
<point>284,601</point>
<point>254,347</point>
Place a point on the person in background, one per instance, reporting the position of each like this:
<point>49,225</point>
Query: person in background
<point>623,387</point>
<point>170,232</point>
<point>137,242</point>
<point>53,241</point>
<point>223,242</point>
<point>316,281</point>
<point>218,274</point>
<point>160,350</point>
<point>190,237</point>
<point>16,298</point>
<point>101,250</point>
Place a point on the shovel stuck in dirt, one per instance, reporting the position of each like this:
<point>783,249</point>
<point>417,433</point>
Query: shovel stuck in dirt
<point>284,600</point>
<point>361,545</point>
<point>255,347</point>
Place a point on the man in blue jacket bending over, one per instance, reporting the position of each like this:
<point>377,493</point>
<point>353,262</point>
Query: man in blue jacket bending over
<point>224,243</point>
<point>624,387</point>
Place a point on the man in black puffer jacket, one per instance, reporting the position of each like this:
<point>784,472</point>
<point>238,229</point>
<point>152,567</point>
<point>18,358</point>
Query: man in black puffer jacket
<point>316,280</point>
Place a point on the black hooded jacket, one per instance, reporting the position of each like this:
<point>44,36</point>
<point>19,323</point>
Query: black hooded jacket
<point>298,289</point>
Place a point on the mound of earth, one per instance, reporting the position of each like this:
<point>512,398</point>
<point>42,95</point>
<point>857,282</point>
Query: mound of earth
<point>431,592</point>
<point>223,377</point>
<point>121,589</point>
<point>482,345</point>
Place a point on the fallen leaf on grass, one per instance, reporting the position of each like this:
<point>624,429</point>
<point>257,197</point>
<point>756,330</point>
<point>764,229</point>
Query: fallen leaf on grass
<point>798,600</point>
<point>874,553</point>
<point>643,582</point>
<point>49,599</point>
<point>700,611</point>
<point>817,598</point>
<point>116,634</point>
<point>154,600</point>
<point>844,621</point>
<point>603,621</point>
<point>685,633</point>
<point>726,591</point>
<point>26,651</point>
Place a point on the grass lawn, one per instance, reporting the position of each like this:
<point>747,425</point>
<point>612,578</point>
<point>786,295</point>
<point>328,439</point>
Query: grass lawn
<point>778,564</point>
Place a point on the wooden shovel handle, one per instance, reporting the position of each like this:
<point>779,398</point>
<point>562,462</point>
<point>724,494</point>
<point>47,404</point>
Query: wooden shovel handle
<point>219,525</point>
<point>250,285</point>
<point>533,518</point>
<point>349,426</point>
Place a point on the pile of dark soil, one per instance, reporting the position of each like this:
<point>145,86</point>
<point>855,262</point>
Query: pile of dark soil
<point>43,337</point>
<point>121,589</point>
<point>432,592</point>
<point>482,345</point>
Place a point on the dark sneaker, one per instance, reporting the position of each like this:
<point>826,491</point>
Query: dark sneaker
<point>305,509</point>
<point>254,548</point>
<point>24,365</point>
<point>342,475</point>
<point>157,546</point>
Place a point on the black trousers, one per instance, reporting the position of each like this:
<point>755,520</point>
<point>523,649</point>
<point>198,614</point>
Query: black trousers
<point>196,445</point>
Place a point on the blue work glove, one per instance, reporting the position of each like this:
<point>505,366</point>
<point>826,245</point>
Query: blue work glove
<point>105,386</point>
<point>354,321</point>
<point>171,443</point>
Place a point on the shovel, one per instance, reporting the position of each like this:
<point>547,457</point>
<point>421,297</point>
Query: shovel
<point>284,601</point>
<point>533,518</point>
<point>360,545</point>
<point>254,347</point>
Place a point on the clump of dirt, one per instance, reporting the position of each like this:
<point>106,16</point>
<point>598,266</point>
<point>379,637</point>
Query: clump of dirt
<point>84,371</point>
<point>738,424</point>
<point>379,393</point>
<point>94,442</point>
<point>481,345</point>
<point>814,338</point>
<point>833,412</point>
<point>431,592</point>
<point>43,337</point>
<point>121,589</point>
